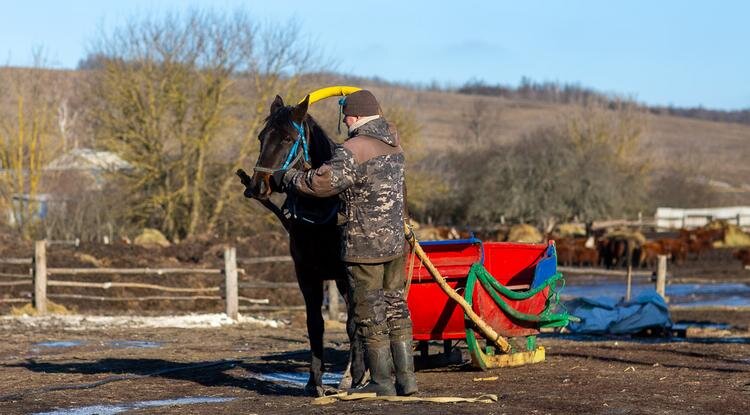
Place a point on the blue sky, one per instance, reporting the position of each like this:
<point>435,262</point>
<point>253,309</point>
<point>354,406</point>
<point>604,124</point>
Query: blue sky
<point>684,53</point>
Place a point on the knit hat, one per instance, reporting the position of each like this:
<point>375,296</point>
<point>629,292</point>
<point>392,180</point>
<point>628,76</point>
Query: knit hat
<point>361,103</point>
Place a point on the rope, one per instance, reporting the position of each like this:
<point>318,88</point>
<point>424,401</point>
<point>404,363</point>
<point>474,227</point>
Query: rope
<point>344,396</point>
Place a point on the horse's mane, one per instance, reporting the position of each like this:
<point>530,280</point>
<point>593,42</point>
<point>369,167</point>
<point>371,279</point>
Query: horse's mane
<point>321,145</point>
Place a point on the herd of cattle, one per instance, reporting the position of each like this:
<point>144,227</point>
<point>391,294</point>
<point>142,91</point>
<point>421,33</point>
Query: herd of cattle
<point>619,248</point>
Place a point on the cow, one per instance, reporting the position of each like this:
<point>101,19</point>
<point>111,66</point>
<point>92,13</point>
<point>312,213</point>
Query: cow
<point>744,256</point>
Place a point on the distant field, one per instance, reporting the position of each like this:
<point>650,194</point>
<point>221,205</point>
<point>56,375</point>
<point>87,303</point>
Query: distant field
<point>717,152</point>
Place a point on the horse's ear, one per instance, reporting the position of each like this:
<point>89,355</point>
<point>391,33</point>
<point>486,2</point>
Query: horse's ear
<point>299,112</point>
<point>276,104</point>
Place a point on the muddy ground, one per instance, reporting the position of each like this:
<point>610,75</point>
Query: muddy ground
<point>707,372</point>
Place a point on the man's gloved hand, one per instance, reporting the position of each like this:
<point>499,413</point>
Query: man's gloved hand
<point>277,180</point>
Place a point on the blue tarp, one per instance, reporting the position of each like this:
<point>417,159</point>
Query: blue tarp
<point>604,315</point>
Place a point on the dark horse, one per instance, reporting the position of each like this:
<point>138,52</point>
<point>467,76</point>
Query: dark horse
<point>292,138</point>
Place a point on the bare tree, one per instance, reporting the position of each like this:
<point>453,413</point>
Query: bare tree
<point>27,141</point>
<point>179,95</point>
<point>588,166</point>
<point>479,121</point>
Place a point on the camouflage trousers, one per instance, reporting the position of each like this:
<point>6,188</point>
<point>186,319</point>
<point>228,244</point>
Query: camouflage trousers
<point>378,296</point>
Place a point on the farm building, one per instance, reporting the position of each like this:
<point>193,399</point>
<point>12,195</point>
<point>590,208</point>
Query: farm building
<point>672,218</point>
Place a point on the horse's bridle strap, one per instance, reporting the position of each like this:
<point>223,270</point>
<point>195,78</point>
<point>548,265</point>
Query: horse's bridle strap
<point>295,154</point>
<point>272,171</point>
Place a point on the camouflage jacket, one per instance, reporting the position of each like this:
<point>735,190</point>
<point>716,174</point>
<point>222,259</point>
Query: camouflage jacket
<point>367,172</point>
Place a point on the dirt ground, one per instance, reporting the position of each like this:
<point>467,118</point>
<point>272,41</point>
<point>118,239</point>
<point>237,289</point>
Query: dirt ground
<point>707,372</point>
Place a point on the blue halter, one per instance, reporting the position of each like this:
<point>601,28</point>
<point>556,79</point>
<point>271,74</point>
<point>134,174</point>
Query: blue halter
<point>291,157</point>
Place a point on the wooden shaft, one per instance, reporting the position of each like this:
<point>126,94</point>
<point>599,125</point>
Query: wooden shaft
<point>486,330</point>
<point>40,277</point>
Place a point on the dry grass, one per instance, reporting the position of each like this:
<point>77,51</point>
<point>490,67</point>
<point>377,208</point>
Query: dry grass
<point>29,310</point>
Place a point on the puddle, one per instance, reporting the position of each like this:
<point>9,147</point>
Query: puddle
<point>123,407</point>
<point>134,344</point>
<point>115,344</point>
<point>60,343</point>
<point>710,326</point>
<point>298,378</point>
<point>686,295</point>
<point>646,340</point>
<point>712,340</point>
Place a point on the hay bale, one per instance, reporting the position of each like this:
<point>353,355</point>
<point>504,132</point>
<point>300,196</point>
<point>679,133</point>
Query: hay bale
<point>151,238</point>
<point>734,237</point>
<point>525,233</point>
<point>570,230</point>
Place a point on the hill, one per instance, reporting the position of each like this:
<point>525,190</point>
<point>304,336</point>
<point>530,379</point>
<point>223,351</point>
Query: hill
<point>713,153</point>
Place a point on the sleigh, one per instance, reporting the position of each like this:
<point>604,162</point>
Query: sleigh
<point>513,287</point>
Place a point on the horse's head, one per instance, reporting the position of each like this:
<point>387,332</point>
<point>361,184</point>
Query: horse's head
<point>282,145</point>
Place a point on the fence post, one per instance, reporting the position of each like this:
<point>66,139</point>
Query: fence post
<point>333,300</point>
<point>661,276</point>
<point>40,277</point>
<point>629,282</point>
<point>230,274</point>
<point>630,271</point>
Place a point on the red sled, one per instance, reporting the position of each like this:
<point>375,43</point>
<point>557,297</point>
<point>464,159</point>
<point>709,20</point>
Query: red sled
<point>513,287</point>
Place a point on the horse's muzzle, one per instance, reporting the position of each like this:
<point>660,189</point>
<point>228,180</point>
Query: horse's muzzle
<point>257,186</point>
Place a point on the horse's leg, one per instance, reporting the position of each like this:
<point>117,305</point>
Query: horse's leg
<point>312,291</point>
<point>355,368</point>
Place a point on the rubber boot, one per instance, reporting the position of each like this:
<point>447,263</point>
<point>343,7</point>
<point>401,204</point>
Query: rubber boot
<point>403,357</point>
<point>380,363</point>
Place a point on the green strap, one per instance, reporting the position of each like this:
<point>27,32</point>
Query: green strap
<point>546,318</point>
<point>483,274</point>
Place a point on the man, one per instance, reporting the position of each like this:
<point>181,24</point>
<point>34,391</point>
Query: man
<point>367,171</point>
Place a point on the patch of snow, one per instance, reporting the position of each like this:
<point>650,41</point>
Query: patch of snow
<point>124,407</point>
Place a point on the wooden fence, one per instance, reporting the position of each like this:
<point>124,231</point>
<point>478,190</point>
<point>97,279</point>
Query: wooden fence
<point>39,273</point>
<point>660,275</point>
<point>39,277</point>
